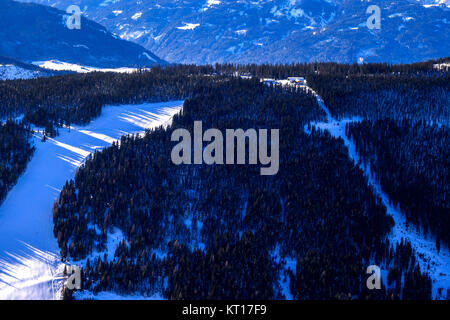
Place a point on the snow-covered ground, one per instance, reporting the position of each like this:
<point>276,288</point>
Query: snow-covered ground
<point>288,264</point>
<point>30,265</point>
<point>13,72</point>
<point>438,265</point>
<point>65,66</point>
<point>189,26</point>
<point>107,295</point>
<point>435,3</point>
<point>442,66</point>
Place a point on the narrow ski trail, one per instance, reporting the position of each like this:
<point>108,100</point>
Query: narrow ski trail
<point>436,264</point>
<point>30,266</point>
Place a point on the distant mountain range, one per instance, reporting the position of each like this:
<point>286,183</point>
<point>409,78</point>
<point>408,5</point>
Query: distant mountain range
<point>208,31</point>
<point>33,32</point>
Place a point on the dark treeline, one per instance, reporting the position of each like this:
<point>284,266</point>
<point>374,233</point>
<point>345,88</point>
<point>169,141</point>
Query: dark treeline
<point>419,98</point>
<point>282,71</point>
<point>418,91</point>
<point>412,162</point>
<point>15,152</point>
<point>78,98</point>
<point>225,231</point>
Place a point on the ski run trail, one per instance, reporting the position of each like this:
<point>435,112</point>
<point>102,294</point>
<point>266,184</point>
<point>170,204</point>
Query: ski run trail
<point>438,265</point>
<point>30,264</point>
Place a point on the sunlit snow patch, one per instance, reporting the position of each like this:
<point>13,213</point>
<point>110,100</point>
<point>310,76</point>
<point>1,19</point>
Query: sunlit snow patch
<point>189,26</point>
<point>30,273</point>
<point>136,16</point>
<point>65,66</point>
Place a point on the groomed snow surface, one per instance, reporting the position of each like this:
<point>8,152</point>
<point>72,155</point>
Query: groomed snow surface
<point>437,264</point>
<point>30,266</point>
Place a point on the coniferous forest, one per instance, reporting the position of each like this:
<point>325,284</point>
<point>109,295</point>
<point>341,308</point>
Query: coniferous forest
<point>225,231</point>
<point>412,162</point>
<point>15,151</point>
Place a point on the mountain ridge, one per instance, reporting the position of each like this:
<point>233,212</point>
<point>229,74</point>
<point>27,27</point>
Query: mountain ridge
<point>276,31</point>
<point>33,32</point>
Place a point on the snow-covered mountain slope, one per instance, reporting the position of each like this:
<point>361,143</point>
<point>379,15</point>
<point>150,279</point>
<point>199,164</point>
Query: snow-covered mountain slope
<point>33,32</point>
<point>207,31</point>
<point>433,3</point>
<point>12,72</point>
<point>64,66</point>
<point>11,69</point>
<point>29,254</point>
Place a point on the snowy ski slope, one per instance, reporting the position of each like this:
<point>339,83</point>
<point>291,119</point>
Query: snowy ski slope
<point>29,253</point>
